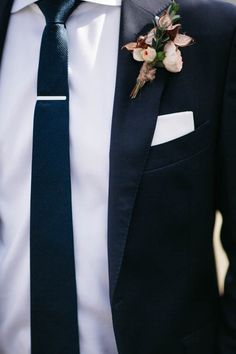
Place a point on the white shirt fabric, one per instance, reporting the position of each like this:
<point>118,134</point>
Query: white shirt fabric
<point>93,33</point>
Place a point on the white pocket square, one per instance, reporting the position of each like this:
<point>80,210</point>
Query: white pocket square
<point>173,126</point>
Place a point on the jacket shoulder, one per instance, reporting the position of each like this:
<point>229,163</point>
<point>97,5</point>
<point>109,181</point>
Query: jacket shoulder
<point>213,16</point>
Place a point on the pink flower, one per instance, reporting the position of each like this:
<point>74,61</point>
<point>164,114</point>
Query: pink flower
<point>137,54</point>
<point>173,61</point>
<point>130,46</point>
<point>148,54</point>
<point>182,40</point>
<point>165,21</point>
<point>150,36</point>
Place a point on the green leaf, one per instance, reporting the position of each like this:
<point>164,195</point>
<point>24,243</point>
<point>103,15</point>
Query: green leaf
<point>176,18</point>
<point>166,39</point>
<point>161,56</point>
<point>173,9</point>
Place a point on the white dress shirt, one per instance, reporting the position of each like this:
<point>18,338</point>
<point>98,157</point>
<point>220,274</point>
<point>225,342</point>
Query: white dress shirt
<point>93,33</point>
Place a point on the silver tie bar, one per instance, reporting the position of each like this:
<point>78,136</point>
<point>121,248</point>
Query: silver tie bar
<point>51,98</point>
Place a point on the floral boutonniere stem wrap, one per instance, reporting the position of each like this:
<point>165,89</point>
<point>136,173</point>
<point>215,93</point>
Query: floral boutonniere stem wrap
<point>159,48</point>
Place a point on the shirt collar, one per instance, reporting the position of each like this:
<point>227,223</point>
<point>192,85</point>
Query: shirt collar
<point>20,4</point>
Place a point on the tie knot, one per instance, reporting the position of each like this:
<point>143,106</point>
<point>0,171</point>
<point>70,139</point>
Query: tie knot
<point>57,11</point>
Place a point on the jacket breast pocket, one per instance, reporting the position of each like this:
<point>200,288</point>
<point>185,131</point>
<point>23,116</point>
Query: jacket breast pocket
<point>178,149</point>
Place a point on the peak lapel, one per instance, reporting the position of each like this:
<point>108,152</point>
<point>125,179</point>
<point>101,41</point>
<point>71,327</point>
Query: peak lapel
<point>132,130</point>
<point>5,8</point>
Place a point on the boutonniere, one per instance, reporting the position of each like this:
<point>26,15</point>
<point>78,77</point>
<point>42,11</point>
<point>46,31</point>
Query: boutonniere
<point>159,48</point>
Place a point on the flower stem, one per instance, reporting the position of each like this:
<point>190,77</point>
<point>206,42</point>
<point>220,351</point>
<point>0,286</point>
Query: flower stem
<point>136,89</point>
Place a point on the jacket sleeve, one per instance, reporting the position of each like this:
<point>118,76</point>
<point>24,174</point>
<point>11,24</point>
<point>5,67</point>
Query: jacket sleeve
<point>226,190</point>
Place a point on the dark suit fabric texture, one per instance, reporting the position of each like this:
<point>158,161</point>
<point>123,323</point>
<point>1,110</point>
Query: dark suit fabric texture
<point>163,199</point>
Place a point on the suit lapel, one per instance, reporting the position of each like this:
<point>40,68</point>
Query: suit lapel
<point>132,130</point>
<point>5,8</point>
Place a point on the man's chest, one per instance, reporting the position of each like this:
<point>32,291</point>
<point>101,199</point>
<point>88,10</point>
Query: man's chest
<point>93,32</point>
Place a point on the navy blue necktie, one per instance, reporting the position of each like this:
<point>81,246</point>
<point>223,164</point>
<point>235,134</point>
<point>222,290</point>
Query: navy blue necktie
<point>54,324</point>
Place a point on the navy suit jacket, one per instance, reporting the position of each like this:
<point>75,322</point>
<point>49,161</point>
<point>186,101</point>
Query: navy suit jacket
<point>163,199</point>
